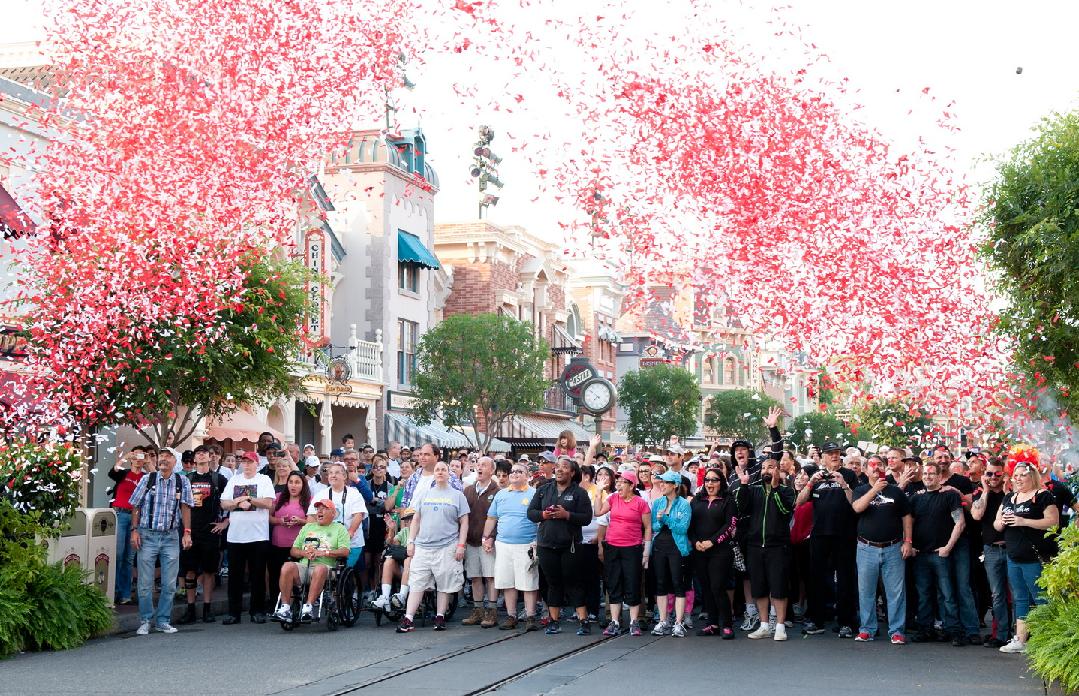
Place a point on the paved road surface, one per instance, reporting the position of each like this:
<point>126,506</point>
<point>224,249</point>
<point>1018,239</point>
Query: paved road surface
<point>248,659</point>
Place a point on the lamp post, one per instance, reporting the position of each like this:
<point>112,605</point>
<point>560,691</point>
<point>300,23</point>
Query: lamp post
<point>485,168</point>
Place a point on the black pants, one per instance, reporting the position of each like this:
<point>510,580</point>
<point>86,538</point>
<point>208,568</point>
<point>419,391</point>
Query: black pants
<point>623,573</point>
<point>591,574</point>
<point>562,570</point>
<point>275,558</point>
<point>833,556</point>
<point>713,570</point>
<point>247,562</point>
<point>670,572</point>
<point>800,571</point>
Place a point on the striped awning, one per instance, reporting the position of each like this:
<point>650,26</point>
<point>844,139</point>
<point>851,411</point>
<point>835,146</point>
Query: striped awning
<point>401,428</point>
<point>547,429</point>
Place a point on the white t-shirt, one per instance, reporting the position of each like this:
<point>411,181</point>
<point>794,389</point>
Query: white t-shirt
<point>252,525</point>
<point>393,468</point>
<point>348,503</point>
<point>226,472</point>
<point>315,485</point>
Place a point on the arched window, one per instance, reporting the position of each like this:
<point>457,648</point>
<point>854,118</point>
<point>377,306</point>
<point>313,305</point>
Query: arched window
<point>707,371</point>
<point>730,375</point>
<point>574,325</point>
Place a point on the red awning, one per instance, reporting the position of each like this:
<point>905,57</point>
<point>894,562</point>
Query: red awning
<point>13,221</point>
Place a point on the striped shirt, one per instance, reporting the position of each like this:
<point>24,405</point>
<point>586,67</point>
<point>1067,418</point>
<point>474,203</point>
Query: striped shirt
<point>159,508</point>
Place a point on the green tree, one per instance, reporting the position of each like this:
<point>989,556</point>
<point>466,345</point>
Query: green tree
<point>478,370</point>
<point>662,401</point>
<point>817,428</point>
<point>739,414</point>
<point>1032,218</point>
<point>243,355</point>
<point>893,423</point>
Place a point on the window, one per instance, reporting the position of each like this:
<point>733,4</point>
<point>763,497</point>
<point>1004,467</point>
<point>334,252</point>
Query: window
<point>729,373</point>
<point>406,351</point>
<point>408,277</point>
<point>708,376</point>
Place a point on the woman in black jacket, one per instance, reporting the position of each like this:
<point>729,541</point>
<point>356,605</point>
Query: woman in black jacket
<point>711,531</point>
<point>562,508</point>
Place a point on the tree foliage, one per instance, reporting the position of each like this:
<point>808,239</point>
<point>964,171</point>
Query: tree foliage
<point>739,414</point>
<point>662,401</point>
<point>893,423</point>
<point>816,428</point>
<point>477,371</point>
<point>1032,216</point>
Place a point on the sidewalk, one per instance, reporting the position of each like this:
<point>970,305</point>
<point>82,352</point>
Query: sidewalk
<point>127,615</point>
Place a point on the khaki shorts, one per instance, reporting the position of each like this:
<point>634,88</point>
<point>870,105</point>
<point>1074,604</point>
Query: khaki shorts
<point>307,570</point>
<point>479,563</point>
<point>436,567</point>
<point>512,567</point>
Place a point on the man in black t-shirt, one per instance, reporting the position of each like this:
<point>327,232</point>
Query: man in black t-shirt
<point>984,509</point>
<point>964,560</point>
<point>832,545</point>
<point>202,560</point>
<point>884,541</point>
<point>938,525</point>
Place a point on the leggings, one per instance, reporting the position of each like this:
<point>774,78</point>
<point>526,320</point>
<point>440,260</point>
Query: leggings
<point>713,568</point>
<point>670,578</point>
<point>591,572</point>
<point>623,566</point>
<point>562,570</point>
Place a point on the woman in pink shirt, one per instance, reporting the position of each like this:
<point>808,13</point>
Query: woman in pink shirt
<point>625,550</point>
<point>287,516</point>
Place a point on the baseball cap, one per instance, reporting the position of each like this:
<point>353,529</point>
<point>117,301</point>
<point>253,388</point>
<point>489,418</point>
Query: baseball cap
<point>671,477</point>
<point>524,458</point>
<point>831,447</point>
<point>548,457</point>
<point>629,476</point>
<point>328,504</point>
<point>252,456</point>
<point>338,452</point>
<point>311,461</point>
<point>676,449</point>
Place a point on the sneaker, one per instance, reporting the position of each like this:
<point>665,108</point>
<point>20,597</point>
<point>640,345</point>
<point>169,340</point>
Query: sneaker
<point>863,637</point>
<point>780,632</point>
<point>1014,646</point>
<point>635,628</point>
<point>552,628</point>
<point>283,613</point>
<point>688,622</point>
<point>440,623</point>
<point>899,639</point>
<point>592,618</point>
<point>812,629</point>
<point>165,628</point>
<point>613,629</point>
<point>750,623</point>
<point>727,633</point>
<point>992,642</point>
<point>584,629</point>
<point>144,629</point>
<point>662,629</point>
<point>845,632</point>
<point>763,631</point>
<point>958,641</point>
<point>405,625</point>
<point>531,624</point>
<point>382,603</point>
<point>709,630</point>
<point>679,630</point>
<point>397,602</point>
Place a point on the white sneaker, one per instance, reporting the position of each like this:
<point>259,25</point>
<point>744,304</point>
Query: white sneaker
<point>1014,646</point>
<point>679,630</point>
<point>381,602</point>
<point>144,629</point>
<point>763,631</point>
<point>165,628</point>
<point>749,622</point>
<point>284,612</point>
<point>662,629</point>
<point>397,601</point>
<point>780,632</point>
<point>306,611</point>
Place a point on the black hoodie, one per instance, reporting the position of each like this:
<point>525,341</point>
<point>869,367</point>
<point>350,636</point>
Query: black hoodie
<point>560,534</point>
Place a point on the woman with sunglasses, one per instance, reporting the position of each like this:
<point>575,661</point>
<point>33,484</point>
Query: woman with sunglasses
<point>625,550</point>
<point>645,485</point>
<point>671,515</point>
<point>711,530</point>
<point>1024,516</point>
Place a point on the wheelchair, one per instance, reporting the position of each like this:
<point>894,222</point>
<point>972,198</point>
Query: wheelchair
<point>338,604</point>
<point>395,611</point>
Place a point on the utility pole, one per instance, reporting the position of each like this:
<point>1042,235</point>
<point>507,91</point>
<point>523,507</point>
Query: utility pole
<point>485,168</point>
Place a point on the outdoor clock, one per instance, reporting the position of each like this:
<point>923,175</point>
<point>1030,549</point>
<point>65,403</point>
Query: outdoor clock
<point>597,396</point>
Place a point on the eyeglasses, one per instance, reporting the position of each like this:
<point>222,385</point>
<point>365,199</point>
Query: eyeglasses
<point>711,480</point>
<point>518,471</point>
<point>378,466</point>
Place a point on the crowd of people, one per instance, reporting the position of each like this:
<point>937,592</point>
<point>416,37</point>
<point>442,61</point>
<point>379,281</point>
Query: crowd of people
<point>936,548</point>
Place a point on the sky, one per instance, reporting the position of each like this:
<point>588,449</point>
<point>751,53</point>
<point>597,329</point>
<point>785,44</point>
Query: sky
<point>962,51</point>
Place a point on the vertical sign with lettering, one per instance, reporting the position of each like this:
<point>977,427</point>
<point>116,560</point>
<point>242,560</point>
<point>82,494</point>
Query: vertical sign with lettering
<point>318,318</point>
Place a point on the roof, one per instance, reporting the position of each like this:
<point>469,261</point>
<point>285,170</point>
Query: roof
<point>403,429</point>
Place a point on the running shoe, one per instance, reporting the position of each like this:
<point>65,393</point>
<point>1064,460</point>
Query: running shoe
<point>845,632</point>
<point>662,629</point>
<point>751,622</point>
<point>899,639</point>
<point>811,629</point>
<point>727,633</point>
<point>283,613</point>
<point>634,628</point>
<point>763,631</point>
<point>552,628</point>
<point>440,623</point>
<point>307,613</point>
<point>1014,646</point>
<point>613,629</point>
<point>382,603</point>
<point>584,629</point>
<point>863,637</point>
<point>779,632</point>
<point>709,630</point>
<point>406,625</point>
<point>679,630</point>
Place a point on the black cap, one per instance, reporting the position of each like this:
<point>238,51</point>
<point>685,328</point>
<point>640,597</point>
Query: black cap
<point>742,443</point>
<point>831,447</point>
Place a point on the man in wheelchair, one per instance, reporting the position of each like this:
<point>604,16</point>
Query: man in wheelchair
<point>318,546</point>
<point>395,564</point>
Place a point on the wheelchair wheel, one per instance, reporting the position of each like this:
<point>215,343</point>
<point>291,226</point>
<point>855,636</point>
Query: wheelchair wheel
<point>378,616</point>
<point>347,600</point>
<point>452,607</point>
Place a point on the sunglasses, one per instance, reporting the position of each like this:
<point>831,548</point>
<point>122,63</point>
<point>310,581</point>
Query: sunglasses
<point>995,474</point>
<point>711,480</point>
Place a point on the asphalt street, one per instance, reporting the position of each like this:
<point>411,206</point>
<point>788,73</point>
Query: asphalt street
<point>250,659</point>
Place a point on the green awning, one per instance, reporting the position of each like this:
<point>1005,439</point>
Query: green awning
<point>411,250</point>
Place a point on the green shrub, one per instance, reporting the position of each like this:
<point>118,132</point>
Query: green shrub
<point>1053,648</point>
<point>65,611</point>
<point>14,620</point>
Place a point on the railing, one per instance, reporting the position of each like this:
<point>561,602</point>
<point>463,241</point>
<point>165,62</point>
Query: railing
<point>364,359</point>
<point>555,399</point>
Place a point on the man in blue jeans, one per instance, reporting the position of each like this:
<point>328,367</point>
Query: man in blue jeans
<point>884,542</point>
<point>160,503</point>
<point>126,473</point>
<point>938,525</point>
<point>996,560</point>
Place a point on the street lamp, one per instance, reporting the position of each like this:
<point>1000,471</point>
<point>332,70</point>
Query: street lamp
<point>485,168</point>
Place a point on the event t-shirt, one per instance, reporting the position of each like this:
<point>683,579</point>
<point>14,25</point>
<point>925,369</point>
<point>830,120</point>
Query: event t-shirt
<point>250,525</point>
<point>439,510</point>
<point>625,528</point>
<point>511,509</point>
<point>882,521</point>
<point>328,537</point>
<point>206,490</point>
<point>933,521</point>
<point>990,535</point>
<point>1022,542</point>
<point>832,513</point>
<point>910,489</point>
<point>347,503</point>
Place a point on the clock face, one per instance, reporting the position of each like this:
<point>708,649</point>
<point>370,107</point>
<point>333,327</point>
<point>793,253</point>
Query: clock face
<point>597,396</point>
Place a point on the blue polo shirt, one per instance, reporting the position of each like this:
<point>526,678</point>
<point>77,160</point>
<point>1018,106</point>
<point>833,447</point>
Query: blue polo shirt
<point>511,509</point>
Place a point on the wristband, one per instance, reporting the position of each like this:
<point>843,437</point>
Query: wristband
<point>460,546</point>
<point>187,531</point>
<point>908,541</point>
